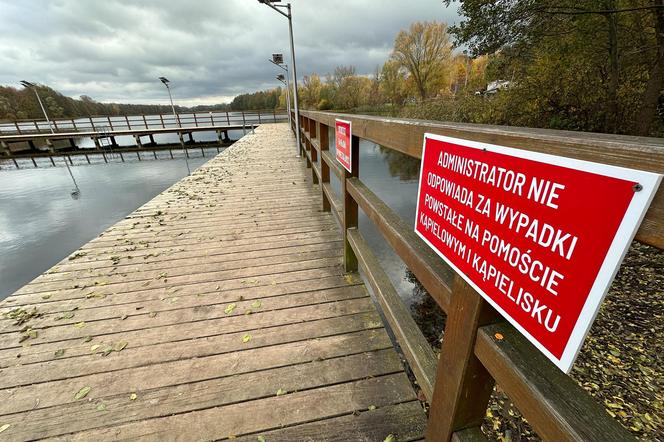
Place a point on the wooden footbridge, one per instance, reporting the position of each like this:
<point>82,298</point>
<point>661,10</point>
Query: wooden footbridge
<point>230,307</point>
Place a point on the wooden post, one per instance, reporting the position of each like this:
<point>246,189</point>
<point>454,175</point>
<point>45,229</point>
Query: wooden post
<point>350,215</point>
<point>110,124</point>
<point>72,143</point>
<point>259,117</point>
<point>202,152</point>
<point>138,141</point>
<point>92,124</point>
<point>228,119</point>
<point>127,120</point>
<point>36,127</point>
<point>73,123</point>
<point>463,386</point>
<point>15,163</point>
<point>324,142</point>
<point>171,152</point>
<point>212,118</point>
<point>87,157</point>
<point>274,114</point>
<point>161,117</point>
<point>34,163</point>
<point>191,137</point>
<point>18,128</point>
<point>138,155</point>
<point>244,123</point>
<point>121,157</point>
<point>195,120</point>
<point>154,152</point>
<point>145,122</point>
<point>303,139</point>
<point>152,139</point>
<point>70,161</point>
<point>104,155</point>
<point>97,144</point>
<point>314,153</point>
<point>55,125</point>
<point>52,160</point>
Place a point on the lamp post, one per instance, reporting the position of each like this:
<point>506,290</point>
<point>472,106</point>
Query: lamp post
<point>29,85</point>
<point>165,81</point>
<point>278,60</point>
<point>289,16</point>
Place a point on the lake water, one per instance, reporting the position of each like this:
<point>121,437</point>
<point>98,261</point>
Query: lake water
<point>40,224</point>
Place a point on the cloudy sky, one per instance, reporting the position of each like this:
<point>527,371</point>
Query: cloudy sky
<point>211,50</point>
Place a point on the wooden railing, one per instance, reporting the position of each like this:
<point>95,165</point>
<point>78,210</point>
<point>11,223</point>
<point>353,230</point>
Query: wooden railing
<point>459,383</point>
<point>155,121</point>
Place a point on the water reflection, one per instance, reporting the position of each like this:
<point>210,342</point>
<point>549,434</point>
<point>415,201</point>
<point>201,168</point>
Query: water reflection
<point>393,177</point>
<point>40,224</point>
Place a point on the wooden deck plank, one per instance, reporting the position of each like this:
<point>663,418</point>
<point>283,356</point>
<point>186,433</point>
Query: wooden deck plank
<point>243,231</point>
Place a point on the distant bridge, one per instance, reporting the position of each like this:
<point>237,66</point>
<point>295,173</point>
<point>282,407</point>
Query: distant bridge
<point>62,133</point>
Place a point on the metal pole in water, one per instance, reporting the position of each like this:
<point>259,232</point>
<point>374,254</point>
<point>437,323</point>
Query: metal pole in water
<point>32,86</point>
<point>177,118</point>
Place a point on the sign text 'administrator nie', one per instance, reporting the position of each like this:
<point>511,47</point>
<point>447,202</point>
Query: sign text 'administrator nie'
<point>539,236</point>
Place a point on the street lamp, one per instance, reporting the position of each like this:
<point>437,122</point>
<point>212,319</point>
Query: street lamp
<point>29,85</point>
<point>278,60</point>
<point>177,118</point>
<point>289,16</point>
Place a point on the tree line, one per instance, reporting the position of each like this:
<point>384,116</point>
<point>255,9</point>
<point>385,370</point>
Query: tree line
<point>18,104</point>
<point>584,65</point>
<point>591,65</point>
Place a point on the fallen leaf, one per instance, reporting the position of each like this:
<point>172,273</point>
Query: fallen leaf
<point>390,438</point>
<point>246,338</point>
<point>498,336</point>
<point>372,407</point>
<point>4,427</point>
<point>256,304</point>
<point>46,296</point>
<point>87,339</point>
<point>83,392</point>
<point>101,407</point>
<point>59,353</point>
<point>229,309</point>
<point>79,324</point>
<point>152,314</point>
<point>121,345</point>
<point>123,317</point>
<point>95,347</point>
<point>260,439</point>
<point>133,397</point>
<point>281,392</point>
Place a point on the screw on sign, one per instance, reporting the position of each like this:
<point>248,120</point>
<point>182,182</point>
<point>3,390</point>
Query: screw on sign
<point>540,237</point>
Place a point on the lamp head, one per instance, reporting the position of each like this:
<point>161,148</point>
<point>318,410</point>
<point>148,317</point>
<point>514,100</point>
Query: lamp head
<point>278,58</point>
<point>27,84</point>
<point>164,80</point>
<point>281,77</point>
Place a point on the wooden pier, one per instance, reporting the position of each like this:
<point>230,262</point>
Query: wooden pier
<point>218,310</point>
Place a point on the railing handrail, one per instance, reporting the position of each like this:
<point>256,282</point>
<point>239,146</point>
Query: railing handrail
<point>472,359</point>
<point>156,115</point>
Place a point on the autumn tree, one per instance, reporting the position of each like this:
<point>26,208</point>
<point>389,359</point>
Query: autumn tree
<point>393,83</point>
<point>621,42</point>
<point>424,50</point>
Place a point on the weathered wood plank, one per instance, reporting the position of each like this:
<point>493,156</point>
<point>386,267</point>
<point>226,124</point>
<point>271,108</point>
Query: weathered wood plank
<point>217,293</point>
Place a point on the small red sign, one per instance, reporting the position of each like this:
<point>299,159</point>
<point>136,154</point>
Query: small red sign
<point>540,237</point>
<point>342,138</point>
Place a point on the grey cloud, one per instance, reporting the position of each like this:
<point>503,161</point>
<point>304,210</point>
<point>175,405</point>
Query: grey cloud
<point>211,50</point>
